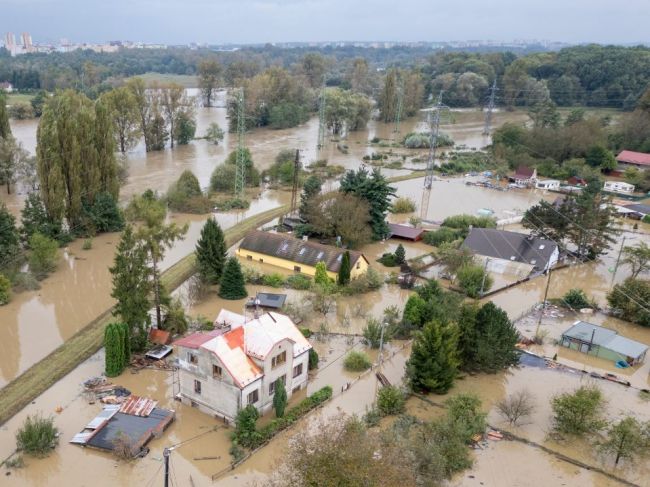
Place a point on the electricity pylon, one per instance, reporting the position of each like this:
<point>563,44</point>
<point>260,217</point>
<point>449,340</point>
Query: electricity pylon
<point>491,105</point>
<point>240,168</point>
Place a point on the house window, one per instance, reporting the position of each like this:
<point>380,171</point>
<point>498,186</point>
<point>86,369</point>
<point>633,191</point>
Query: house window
<point>358,265</point>
<point>261,260</point>
<point>192,358</point>
<point>197,387</point>
<point>254,396</point>
<point>272,384</point>
<point>279,359</point>
<point>249,257</point>
<point>296,268</point>
<point>216,371</point>
<point>297,370</point>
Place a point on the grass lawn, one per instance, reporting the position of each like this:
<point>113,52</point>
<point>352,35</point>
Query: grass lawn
<point>186,80</point>
<point>19,98</point>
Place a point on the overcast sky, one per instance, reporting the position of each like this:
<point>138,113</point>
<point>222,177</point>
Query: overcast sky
<point>254,21</point>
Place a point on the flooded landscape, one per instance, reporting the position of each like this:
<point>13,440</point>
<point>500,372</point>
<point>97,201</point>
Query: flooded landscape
<point>36,322</point>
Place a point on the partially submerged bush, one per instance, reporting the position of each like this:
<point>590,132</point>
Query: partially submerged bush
<point>298,281</point>
<point>576,299</point>
<point>390,401</point>
<point>273,280</point>
<point>357,361</point>
<point>580,412</point>
<point>185,195</point>
<point>37,436</point>
<point>441,236</point>
<point>403,205</point>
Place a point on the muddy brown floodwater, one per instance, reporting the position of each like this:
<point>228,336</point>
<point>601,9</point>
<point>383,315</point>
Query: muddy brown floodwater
<point>36,322</point>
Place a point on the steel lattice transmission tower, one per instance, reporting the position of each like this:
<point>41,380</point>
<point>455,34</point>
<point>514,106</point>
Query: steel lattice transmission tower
<point>490,108</point>
<point>321,120</point>
<point>434,128</point>
<point>240,168</point>
<point>400,104</point>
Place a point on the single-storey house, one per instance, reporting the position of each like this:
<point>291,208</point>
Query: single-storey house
<point>6,86</point>
<point>511,249</point>
<point>618,187</point>
<point>406,232</point>
<point>576,181</point>
<point>547,184</point>
<point>639,209</point>
<point>298,255</point>
<point>603,342</point>
<point>237,364</point>
<point>628,158</point>
<point>525,176</point>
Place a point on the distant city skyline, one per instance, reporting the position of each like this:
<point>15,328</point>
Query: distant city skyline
<point>278,21</point>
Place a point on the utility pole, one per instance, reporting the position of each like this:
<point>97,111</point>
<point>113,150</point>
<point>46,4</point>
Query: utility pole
<point>487,260</point>
<point>400,103</point>
<point>381,344</point>
<point>491,105</point>
<point>166,453</point>
<point>541,313</point>
<point>240,168</point>
<point>618,259</point>
<point>321,120</point>
<point>294,190</point>
<point>434,128</point>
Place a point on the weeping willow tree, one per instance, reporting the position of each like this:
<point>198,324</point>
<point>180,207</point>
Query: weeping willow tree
<point>76,155</point>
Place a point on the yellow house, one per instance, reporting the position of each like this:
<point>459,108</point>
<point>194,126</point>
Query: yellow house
<point>298,255</point>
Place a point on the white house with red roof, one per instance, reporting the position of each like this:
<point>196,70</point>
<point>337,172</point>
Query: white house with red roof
<point>525,176</point>
<point>240,362</point>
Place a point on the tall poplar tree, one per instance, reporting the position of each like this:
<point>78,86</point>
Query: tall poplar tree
<point>5,129</point>
<point>388,97</point>
<point>209,74</point>
<point>132,287</point>
<point>310,190</point>
<point>114,354</point>
<point>9,239</point>
<point>211,252</point>
<point>75,152</point>
<point>124,112</point>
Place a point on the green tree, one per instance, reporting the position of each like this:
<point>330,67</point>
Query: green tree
<point>576,115</point>
<point>376,190</point>
<point>214,134</point>
<point>626,439</point>
<point>344,271</point>
<point>310,190</point>
<point>12,158</point>
<point>463,411</point>
<point>102,214</point>
<point>223,176</point>
<point>599,157</point>
<point>34,219</point>
<point>186,194</point>
<point>175,320</point>
<point>400,254</point>
<point>5,290</point>
<point>433,364</point>
<point>209,71</point>
<point>114,353</point>
<point>44,255</point>
<point>5,128</point>
<point>122,105</point>
<point>638,258</point>
<point>390,401</point>
<point>155,237</point>
<point>578,413</point>
<point>474,280</point>
<point>76,155</point>
<point>634,309</point>
<point>9,239</point>
<point>544,114</point>
<point>38,102</point>
<point>132,287</point>
<point>334,215</point>
<point>388,97</point>
<point>321,277</point>
<point>232,281</point>
<point>37,436</point>
<point>185,127</point>
<point>489,339</point>
<point>346,111</point>
<point>279,398</point>
<point>245,426</point>
<point>211,252</point>
<point>313,359</point>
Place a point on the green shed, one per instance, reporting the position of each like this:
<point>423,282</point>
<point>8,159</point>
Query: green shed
<point>603,342</point>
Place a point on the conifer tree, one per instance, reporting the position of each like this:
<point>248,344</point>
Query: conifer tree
<point>489,340</point>
<point>126,343</point>
<point>211,252</point>
<point>310,190</point>
<point>279,398</point>
<point>344,271</point>
<point>114,358</point>
<point>232,281</point>
<point>400,254</point>
<point>132,287</point>
<point>321,277</point>
<point>5,290</point>
<point>433,364</point>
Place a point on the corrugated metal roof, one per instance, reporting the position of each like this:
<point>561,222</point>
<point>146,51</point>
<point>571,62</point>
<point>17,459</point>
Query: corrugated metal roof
<point>230,350</point>
<point>299,251</point>
<point>195,340</point>
<point>107,413</point>
<point>138,406</point>
<point>626,347</point>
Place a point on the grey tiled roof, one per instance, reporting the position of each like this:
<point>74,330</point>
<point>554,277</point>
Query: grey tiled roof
<point>513,246</point>
<point>302,252</point>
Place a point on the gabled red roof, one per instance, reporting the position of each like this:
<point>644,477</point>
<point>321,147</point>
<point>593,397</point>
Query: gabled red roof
<point>405,231</point>
<point>631,157</point>
<point>524,172</point>
<point>160,337</point>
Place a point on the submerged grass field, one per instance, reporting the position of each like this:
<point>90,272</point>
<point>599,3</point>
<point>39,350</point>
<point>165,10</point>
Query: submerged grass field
<point>186,80</point>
